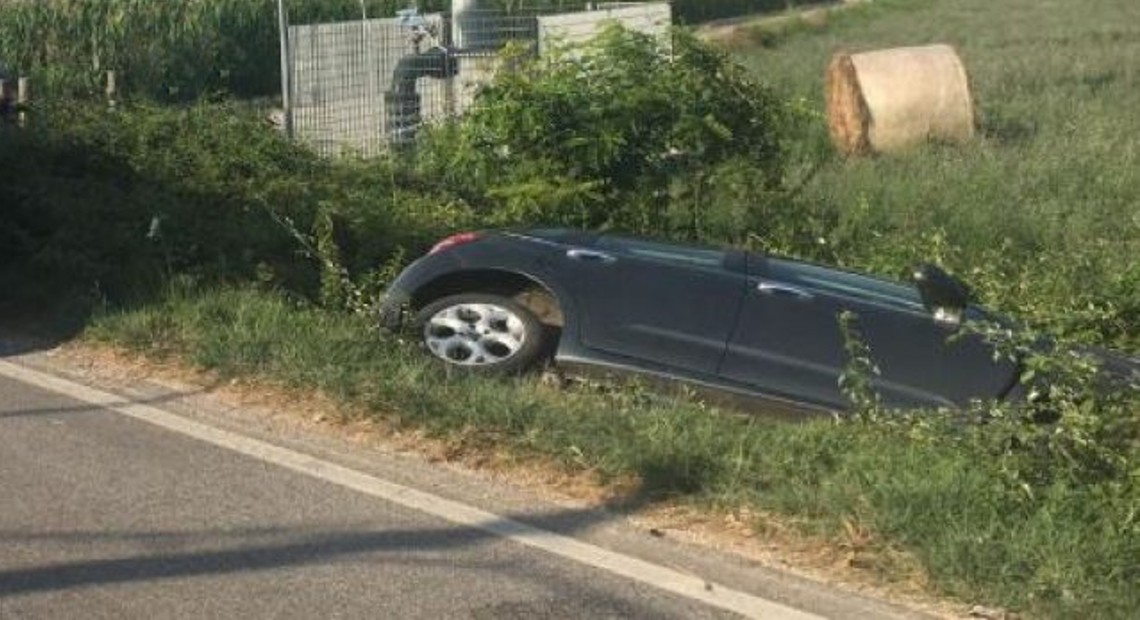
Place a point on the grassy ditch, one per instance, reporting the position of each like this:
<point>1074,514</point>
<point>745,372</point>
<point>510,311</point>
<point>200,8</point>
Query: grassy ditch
<point>1067,549</point>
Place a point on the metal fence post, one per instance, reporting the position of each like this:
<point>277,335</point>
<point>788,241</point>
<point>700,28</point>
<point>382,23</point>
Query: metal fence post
<point>286,73</point>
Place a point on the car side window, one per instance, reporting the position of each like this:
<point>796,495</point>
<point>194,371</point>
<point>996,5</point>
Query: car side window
<point>663,252</point>
<point>844,283</point>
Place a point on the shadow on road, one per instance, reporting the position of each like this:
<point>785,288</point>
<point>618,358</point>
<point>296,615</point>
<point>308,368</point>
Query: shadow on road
<point>275,548</point>
<point>90,408</point>
<point>20,335</point>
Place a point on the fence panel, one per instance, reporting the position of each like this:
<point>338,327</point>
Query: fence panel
<point>364,86</point>
<point>570,28</point>
<point>340,75</point>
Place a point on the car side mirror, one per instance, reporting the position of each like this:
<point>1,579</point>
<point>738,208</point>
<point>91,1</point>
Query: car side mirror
<point>943,295</point>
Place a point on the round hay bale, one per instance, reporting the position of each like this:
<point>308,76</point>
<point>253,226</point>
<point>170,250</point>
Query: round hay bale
<point>888,100</point>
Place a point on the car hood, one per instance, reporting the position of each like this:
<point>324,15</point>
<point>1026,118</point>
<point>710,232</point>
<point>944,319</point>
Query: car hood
<point>1117,368</point>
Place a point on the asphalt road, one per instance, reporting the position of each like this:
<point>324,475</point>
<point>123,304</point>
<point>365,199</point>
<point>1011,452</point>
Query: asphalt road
<point>105,515</point>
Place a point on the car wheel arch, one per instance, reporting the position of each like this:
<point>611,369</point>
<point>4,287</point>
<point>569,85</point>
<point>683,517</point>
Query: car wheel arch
<point>546,302</point>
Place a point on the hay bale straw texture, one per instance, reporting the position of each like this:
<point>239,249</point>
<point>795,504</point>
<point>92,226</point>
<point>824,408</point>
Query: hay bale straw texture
<point>888,100</point>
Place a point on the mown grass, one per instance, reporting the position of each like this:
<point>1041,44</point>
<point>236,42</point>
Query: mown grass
<point>1067,550</point>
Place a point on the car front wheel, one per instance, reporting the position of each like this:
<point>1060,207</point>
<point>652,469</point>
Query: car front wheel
<point>482,333</point>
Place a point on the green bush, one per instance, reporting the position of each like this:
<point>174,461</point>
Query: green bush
<point>116,202</point>
<point>119,200</point>
<point>618,134</point>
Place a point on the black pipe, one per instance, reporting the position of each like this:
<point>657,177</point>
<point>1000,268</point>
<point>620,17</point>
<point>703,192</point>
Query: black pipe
<point>402,102</point>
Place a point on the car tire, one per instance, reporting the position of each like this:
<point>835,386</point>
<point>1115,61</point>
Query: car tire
<point>482,333</point>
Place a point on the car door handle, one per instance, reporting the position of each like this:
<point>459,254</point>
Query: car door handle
<point>775,288</point>
<point>590,256</point>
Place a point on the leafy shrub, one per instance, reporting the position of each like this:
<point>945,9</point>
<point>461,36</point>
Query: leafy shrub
<point>618,134</point>
<point>126,198</point>
<point>1074,423</point>
<point>1079,424</point>
<point>116,202</point>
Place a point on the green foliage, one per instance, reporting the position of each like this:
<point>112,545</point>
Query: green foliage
<point>335,282</point>
<point>857,379</point>
<point>1075,423</point>
<point>618,134</point>
<point>121,198</point>
<point>115,202</point>
<point>1079,425</point>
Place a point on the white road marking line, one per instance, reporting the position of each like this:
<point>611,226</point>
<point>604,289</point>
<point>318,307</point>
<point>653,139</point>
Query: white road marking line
<point>663,578</point>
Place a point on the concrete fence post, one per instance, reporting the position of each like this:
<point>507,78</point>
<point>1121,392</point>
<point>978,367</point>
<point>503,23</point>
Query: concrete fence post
<point>112,90</point>
<point>23,100</point>
<point>286,69</point>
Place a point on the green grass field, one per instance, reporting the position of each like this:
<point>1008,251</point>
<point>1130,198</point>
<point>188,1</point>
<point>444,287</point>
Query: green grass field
<point>1042,213</point>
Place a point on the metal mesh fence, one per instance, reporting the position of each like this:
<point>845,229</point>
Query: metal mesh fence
<point>340,73</point>
<point>363,87</point>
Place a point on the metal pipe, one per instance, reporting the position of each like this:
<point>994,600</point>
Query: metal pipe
<point>402,101</point>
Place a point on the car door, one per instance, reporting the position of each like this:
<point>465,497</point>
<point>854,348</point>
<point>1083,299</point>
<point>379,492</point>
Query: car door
<point>662,303</point>
<point>788,342</point>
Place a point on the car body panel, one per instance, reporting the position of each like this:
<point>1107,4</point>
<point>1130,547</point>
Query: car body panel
<point>637,301</point>
<point>788,340</point>
<point>674,312</point>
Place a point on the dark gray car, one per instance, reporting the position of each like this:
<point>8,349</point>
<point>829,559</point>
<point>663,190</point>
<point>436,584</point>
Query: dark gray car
<point>736,322</point>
